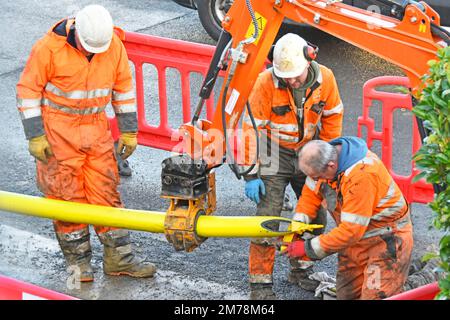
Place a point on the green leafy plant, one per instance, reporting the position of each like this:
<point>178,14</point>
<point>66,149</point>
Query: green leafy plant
<point>433,158</point>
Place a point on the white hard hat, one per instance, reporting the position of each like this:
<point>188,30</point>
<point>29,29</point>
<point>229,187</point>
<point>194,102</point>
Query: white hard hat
<point>94,27</point>
<point>289,59</point>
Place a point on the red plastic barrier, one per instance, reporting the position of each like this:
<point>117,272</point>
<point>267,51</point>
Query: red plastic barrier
<point>163,53</point>
<point>414,192</point>
<point>11,289</point>
<point>427,292</point>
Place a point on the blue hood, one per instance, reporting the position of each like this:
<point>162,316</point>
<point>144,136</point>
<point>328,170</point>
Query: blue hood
<point>353,150</point>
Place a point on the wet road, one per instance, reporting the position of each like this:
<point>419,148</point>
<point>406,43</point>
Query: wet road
<point>216,270</point>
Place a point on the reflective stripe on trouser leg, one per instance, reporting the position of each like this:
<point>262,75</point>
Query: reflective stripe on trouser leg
<point>261,262</point>
<point>75,245</point>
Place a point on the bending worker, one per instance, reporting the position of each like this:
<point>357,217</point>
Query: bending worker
<point>72,73</point>
<point>292,103</point>
<point>373,237</point>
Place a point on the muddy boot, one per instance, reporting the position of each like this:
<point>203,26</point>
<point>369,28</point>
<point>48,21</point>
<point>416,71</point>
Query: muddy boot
<point>123,165</point>
<point>301,278</point>
<point>118,258</point>
<point>415,266</point>
<point>262,291</point>
<point>424,276</point>
<point>76,248</point>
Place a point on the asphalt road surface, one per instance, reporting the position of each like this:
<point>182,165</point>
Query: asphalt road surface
<point>216,270</point>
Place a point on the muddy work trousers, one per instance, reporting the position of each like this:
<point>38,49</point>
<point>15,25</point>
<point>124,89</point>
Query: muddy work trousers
<point>375,268</point>
<point>262,250</point>
<point>83,168</point>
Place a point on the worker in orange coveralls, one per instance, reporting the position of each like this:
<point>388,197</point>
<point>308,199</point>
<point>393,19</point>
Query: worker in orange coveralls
<point>73,72</point>
<point>373,237</point>
<point>294,102</point>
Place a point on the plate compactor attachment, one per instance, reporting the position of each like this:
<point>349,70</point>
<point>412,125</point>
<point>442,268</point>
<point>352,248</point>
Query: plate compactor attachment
<point>191,188</point>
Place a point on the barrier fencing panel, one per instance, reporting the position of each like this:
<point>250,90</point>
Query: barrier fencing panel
<point>11,289</point>
<point>163,54</point>
<point>420,191</point>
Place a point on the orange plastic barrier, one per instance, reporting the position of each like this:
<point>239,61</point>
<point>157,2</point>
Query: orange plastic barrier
<point>11,289</point>
<point>163,53</point>
<point>420,191</point>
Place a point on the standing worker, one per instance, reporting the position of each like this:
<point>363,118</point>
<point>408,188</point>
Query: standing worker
<point>292,103</point>
<point>373,237</point>
<point>72,73</point>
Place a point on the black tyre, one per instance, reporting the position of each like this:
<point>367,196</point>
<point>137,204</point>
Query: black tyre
<point>211,13</point>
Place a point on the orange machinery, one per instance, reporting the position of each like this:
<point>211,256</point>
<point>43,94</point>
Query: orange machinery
<point>409,38</point>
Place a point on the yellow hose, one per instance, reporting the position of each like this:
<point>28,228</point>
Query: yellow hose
<point>142,220</point>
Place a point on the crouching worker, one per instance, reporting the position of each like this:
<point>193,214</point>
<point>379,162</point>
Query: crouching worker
<point>373,237</point>
<point>72,74</point>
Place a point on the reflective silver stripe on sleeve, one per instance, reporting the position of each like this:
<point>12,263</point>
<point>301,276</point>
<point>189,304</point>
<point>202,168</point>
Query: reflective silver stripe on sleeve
<point>355,218</point>
<point>78,94</point>
<point>380,231</point>
<point>30,113</point>
<point>28,103</point>
<point>336,110</point>
<point>284,127</point>
<point>70,110</point>
<point>124,108</point>
<point>284,137</point>
<point>259,123</point>
<point>118,96</point>
<point>310,183</point>
<point>390,193</point>
<point>317,248</point>
<point>391,210</point>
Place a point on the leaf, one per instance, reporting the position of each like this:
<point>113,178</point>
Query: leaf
<point>444,284</point>
<point>401,89</point>
<point>419,176</point>
<point>438,100</point>
<point>428,256</point>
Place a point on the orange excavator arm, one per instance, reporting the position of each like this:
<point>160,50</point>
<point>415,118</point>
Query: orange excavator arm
<point>408,40</point>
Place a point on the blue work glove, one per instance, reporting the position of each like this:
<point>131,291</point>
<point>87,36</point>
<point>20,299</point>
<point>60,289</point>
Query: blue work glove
<point>253,188</point>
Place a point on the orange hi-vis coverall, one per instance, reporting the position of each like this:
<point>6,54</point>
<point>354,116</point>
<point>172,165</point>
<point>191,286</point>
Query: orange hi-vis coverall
<point>373,237</point>
<point>288,124</point>
<point>63,94</point>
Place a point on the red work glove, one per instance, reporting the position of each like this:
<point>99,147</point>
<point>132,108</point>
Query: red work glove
<point>296,249</point>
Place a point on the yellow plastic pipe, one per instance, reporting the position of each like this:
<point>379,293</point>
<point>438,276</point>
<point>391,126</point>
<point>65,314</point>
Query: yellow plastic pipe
<point>141,220</point>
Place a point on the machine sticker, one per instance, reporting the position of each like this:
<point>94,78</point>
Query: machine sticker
<point>232,101</point>
<point>423,28</point>
<point>261,25</point>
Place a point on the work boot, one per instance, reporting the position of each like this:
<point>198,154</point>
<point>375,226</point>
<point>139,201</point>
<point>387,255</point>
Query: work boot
<point>415,266</point>
<point>118,258</point>
<point>287,205</point>
<point>262,291</point>
<point>301,278</point>
<point>425,276</point>
<point>76,248</point>
<point>123,165</point>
